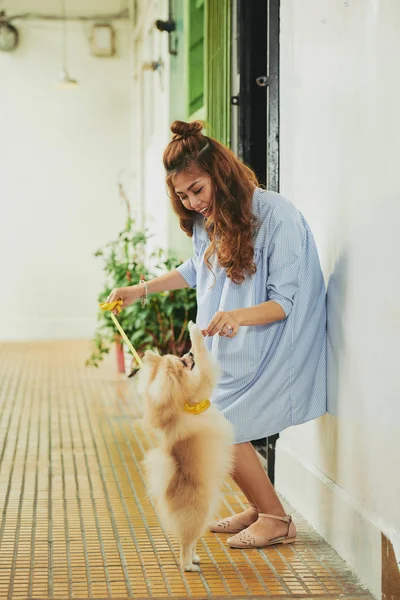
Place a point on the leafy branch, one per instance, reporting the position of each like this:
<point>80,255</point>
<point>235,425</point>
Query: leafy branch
<point>162,323</point>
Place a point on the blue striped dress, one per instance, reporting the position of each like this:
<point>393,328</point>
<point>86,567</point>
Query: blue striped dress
<point>272,376</point>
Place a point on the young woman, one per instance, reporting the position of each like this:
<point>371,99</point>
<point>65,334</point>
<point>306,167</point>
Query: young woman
<point>261,305</point>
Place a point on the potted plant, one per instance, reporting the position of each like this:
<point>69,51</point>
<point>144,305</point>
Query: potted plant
<point>162,323</point>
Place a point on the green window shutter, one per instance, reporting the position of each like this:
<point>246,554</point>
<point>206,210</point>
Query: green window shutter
<point>196,56</point>
<point>218,51</point>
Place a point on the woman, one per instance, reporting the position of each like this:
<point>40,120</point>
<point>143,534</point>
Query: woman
<point>261,305</point>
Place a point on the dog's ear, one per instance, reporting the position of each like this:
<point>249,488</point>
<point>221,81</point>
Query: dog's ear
<point>151,361</point>
<point>151,357</point>
<point>168,392</point>
<point>168,383</point>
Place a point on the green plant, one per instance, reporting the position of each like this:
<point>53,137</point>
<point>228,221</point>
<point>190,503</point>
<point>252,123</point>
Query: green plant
<point>162,323</point>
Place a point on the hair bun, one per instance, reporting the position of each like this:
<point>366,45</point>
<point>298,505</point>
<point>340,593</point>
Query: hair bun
<point>182,130</point>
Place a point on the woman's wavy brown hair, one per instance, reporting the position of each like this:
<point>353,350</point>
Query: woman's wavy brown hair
<point>231,223</point>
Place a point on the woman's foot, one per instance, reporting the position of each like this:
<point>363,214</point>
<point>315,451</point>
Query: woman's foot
<point>235,523</point>
<point>266,531</point>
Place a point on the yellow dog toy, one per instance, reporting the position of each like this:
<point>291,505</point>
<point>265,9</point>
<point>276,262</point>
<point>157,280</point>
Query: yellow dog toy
<point>118,305</point>
<point>193,409</point>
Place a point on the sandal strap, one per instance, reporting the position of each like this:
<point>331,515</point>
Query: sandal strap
<point>285,519</point>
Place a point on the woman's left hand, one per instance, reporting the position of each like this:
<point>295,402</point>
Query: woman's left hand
<point>225,324</point>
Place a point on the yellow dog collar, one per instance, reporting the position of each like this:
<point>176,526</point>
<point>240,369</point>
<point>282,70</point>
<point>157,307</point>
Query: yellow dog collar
<point>199,407</point>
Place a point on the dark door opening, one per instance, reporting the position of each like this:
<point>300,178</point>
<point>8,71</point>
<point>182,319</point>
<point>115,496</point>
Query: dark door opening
<point>257,97</point>
<point>255,111</point>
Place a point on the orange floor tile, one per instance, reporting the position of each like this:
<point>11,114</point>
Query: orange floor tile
<point>75,519</point>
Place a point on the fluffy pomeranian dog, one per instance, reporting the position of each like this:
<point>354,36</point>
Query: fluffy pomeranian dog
<point>194,454</point>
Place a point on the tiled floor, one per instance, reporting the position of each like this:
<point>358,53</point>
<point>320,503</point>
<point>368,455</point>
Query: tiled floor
<point>75,519</point>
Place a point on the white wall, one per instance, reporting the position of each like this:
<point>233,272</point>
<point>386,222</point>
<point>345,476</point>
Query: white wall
<point>73,7</point>
<point>340,163</point>
<point>151,118</point>
<point>60,159</point>
<point>179,243</point>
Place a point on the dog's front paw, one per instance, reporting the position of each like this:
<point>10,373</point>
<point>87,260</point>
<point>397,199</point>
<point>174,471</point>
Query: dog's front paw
<point>191,326</point>
<point>196,559</point>
<point>191,568</point>
<point>196,336</point>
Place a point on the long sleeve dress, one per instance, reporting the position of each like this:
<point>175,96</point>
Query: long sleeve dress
<point>272,376</point>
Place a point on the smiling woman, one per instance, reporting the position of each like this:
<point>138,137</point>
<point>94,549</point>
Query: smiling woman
<point>261,305</point>
<point>197,163</point>
<point>197,192</point>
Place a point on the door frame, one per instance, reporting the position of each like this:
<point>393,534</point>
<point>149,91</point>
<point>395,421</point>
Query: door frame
<point>255,87</point>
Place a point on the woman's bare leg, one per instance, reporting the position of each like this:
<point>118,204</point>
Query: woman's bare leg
<point>251,477</point>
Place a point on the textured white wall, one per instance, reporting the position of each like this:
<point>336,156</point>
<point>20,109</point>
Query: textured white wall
<point>60,158</point>
<point>340,163</point>
<point>151,118</point>
<point>73,7</point>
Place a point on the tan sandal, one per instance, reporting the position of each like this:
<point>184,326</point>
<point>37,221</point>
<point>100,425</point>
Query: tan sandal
<point>231,524</point>
<point>247,539</point>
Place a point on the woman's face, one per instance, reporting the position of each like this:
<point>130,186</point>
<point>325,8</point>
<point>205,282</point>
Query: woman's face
<point>195,191</point>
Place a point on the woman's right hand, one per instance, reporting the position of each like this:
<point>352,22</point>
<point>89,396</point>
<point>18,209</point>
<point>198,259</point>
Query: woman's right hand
<point>128,295</point>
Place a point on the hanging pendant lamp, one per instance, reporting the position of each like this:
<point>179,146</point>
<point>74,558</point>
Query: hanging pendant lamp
<point>65,81</point>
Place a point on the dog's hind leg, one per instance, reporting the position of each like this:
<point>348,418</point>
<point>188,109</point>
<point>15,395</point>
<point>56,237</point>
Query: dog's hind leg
<point>187,551</point>
<point>196,557</point>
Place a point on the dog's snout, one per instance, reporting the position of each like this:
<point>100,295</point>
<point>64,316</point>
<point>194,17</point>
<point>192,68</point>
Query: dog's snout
<point>188,360</point>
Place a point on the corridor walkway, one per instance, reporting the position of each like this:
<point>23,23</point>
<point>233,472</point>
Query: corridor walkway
<point>75,521</point>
